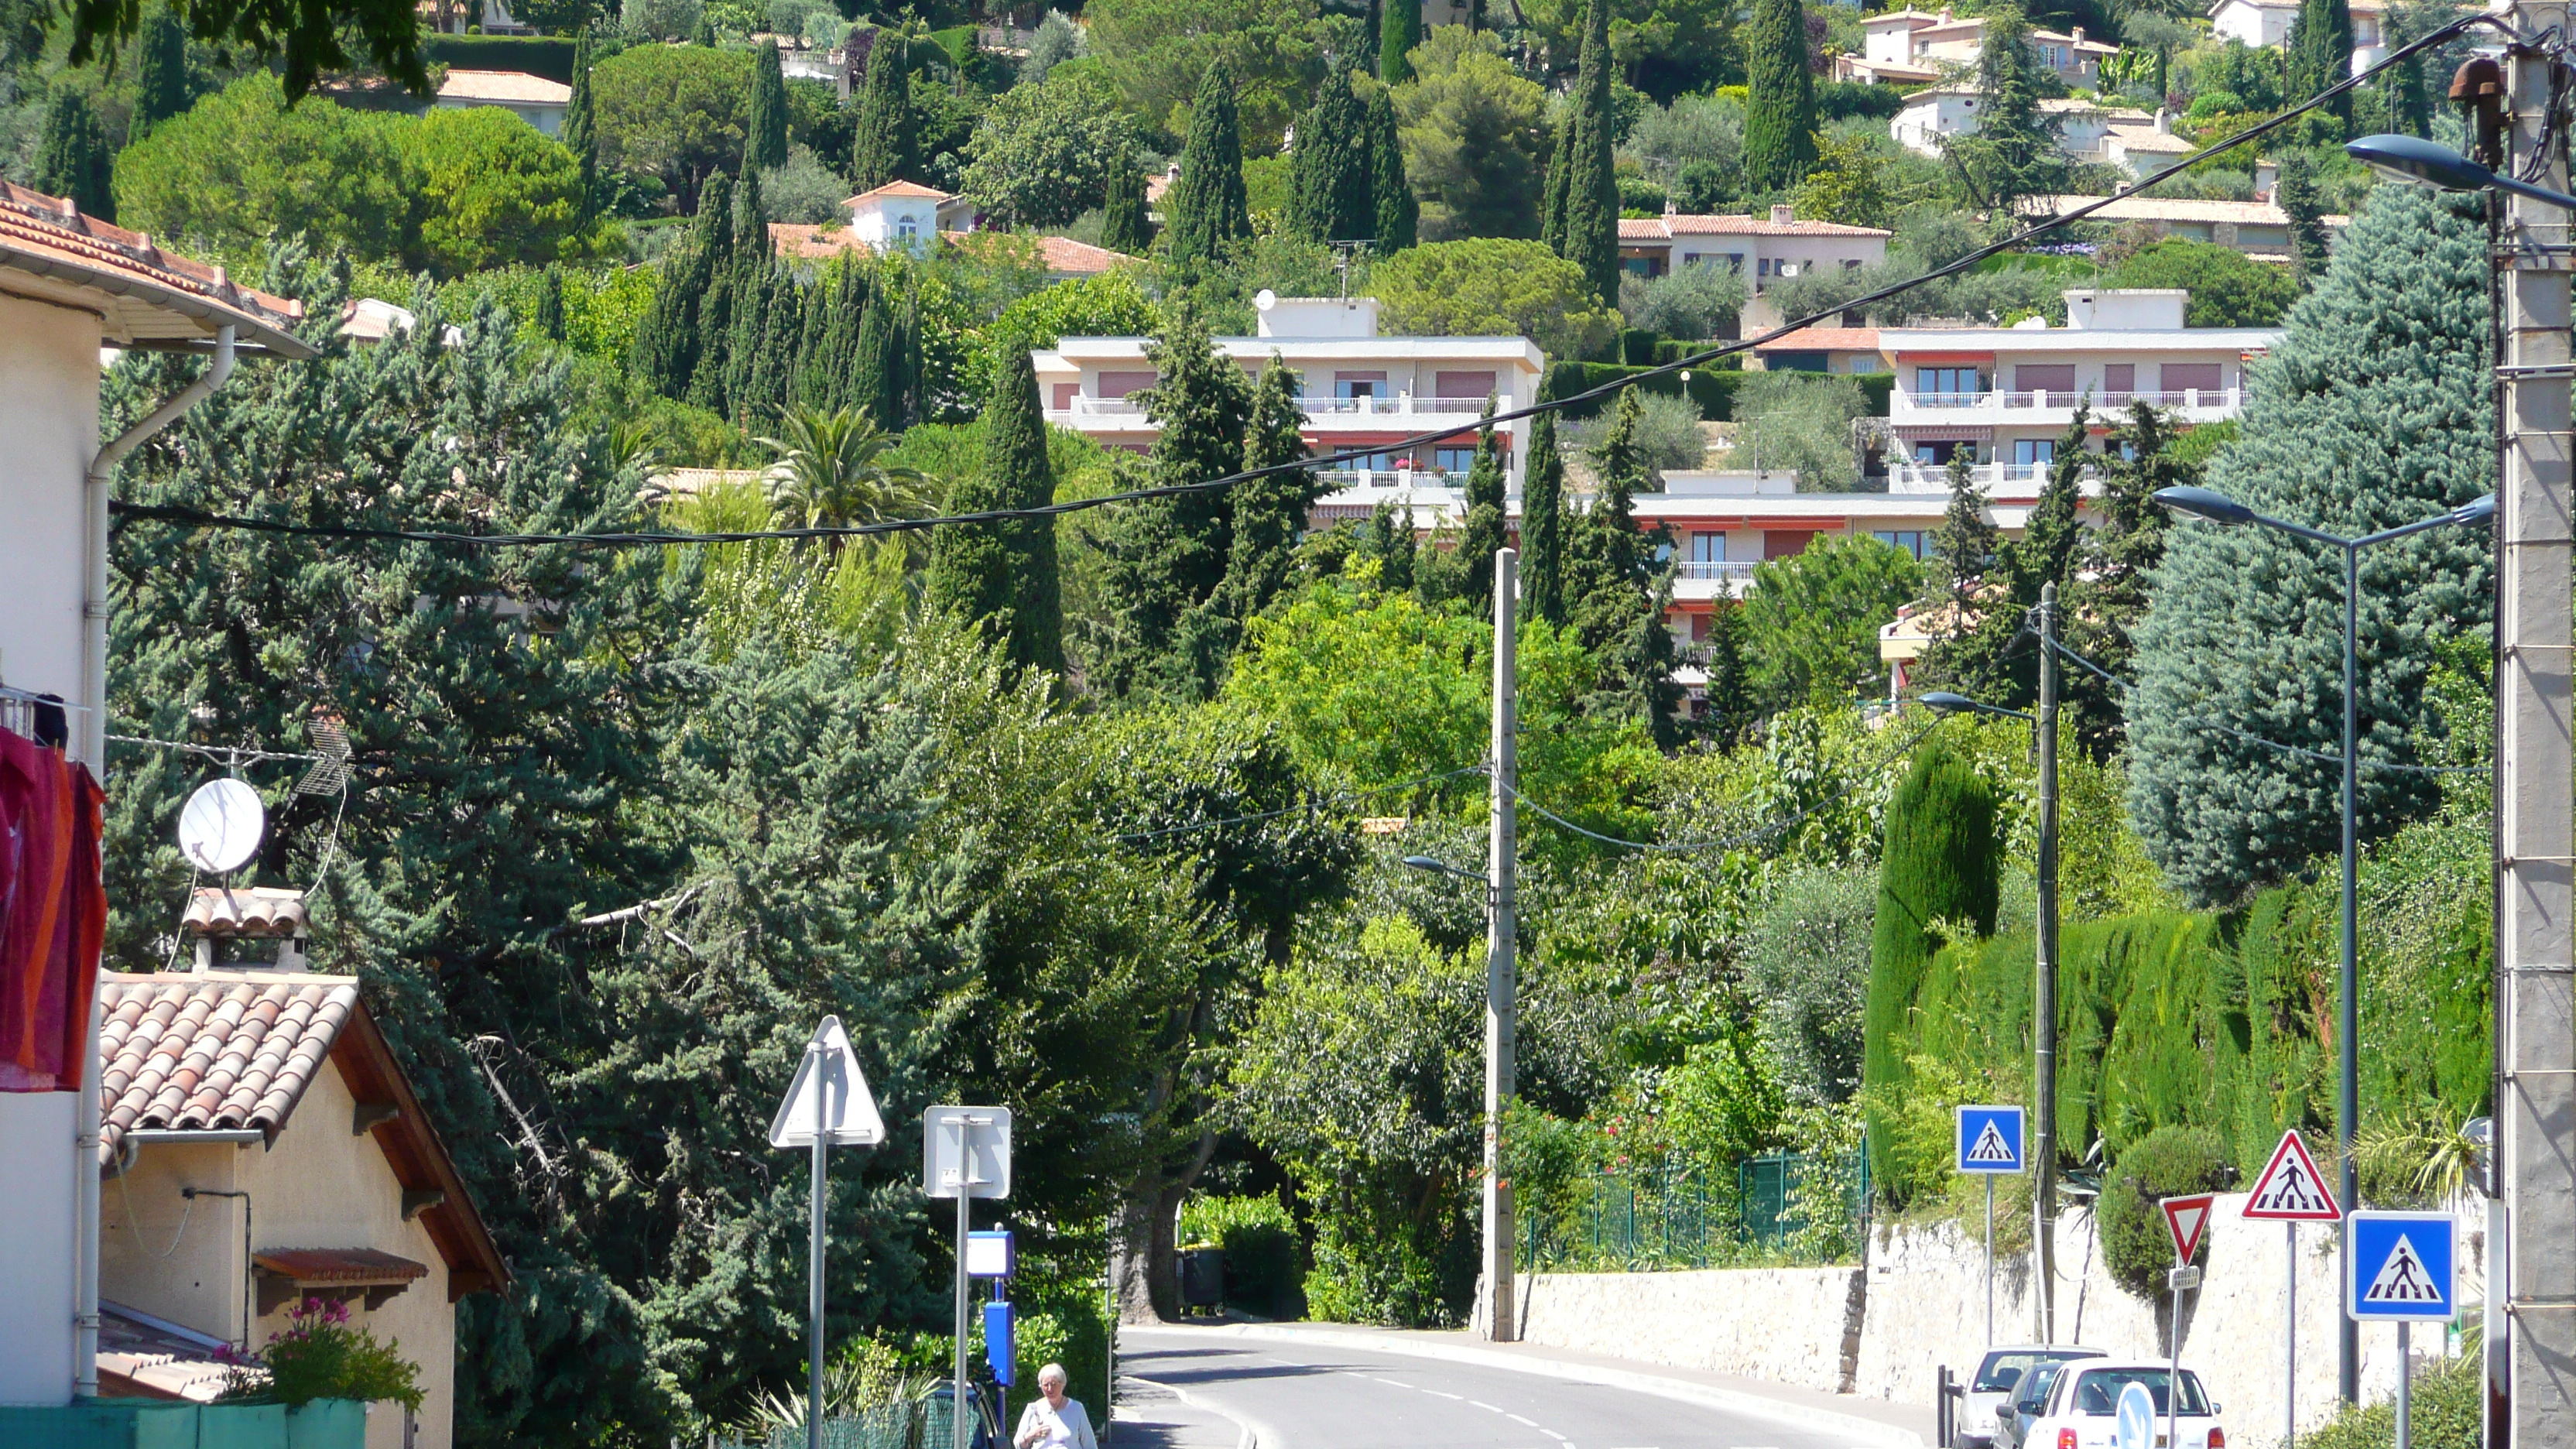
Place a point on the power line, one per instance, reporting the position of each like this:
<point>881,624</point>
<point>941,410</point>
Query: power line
<point>200,519</point>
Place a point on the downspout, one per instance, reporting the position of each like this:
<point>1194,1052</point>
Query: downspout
<point>91,734</point>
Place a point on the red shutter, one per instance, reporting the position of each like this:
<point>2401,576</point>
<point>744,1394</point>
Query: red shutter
<point>1065,393</point>
<point>1120,384</point>
<point>1782,542</point>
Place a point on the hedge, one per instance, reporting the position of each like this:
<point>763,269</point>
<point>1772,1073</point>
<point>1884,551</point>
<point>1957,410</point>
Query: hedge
<point>537,55</point>
<point>1713,387</point>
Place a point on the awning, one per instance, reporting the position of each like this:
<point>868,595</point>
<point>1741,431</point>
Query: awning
<point>1944,432</point>
<point>1722,520</point>
<point>1942,359</point>
<point>288,1273</point>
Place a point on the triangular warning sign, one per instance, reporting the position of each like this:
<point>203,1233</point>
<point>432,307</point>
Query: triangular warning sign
<point>1990,1145</point>
<point>2187,1218</point>
<point>831,1091</point>
<point>2403,1278</point>
<point>2291,1189</point>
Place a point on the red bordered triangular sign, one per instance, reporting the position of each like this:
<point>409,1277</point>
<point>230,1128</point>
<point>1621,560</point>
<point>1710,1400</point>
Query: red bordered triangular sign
<point>2291,1189</point>
<point>2187,1218</point>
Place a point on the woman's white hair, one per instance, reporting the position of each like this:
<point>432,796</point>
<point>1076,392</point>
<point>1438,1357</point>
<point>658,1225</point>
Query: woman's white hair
<point>1053,1371</point>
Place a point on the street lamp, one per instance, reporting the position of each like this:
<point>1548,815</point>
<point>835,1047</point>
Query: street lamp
<point>1441,867</point>
<point>2412,158</point>
<point>2216,507</point>
<point>1948,703</point>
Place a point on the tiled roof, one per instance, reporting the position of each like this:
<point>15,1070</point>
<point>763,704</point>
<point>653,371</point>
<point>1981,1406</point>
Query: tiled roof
<point>254,911</point>
<point>314,1267</point>
<point>2148,138</point>
<point>1065,256</point>
<point>2167,208</point>
<point>515,86</point>
<point>147,296</point>
<point>902,188</point>
<point>1824,339</point>
<point>141,1357</point>
<point>1664,228</point>
<point>213,1053</point>
<point>798,239</point>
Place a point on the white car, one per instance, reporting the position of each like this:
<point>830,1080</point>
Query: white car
<point>2084,1404</point>
<point>1999,1374</point>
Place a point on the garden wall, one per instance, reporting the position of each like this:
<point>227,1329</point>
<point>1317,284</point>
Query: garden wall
<point>1882,1331</point>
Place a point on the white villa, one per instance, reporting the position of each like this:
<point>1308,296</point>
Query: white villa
<point>1762,250</point>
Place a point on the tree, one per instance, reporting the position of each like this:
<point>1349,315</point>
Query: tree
<point>1589,234</point>
<point>1780,115</point>
<point>1492,287</point>
<point>668,345</point>
<point>1616,589</point>
<point>549,319</point>
<point>581,130</point>
<point>1270,513</point>
<point>2104,605</point>
<point>765,119</point>
<point>832,473</point>
<point>1399,30</point>
<point>1543,519</point>
<point>881,373</point>
<point>2373,412</point>
<point>1046,153</point>
<point>1204,213</point>
<point>1399,215</point>
<point>1161,54</point>
<point>1808,627</point>
<point>1003,576</point>
<point>240,167</point>
<point>883,148</point>
<point>72,158</point>
<point>673,111</point>
<point>1483,533</point>
<point>309,36</point>
<point>1848,185</point>
<point>161,86</point>
<point>1335,197</point>
<point>2228,288</point>
<point>1728,707</point>
<point>1979,657</point>
<point>2320,52</point>
<point>2296,194</point>
<point>2017,151</point>
<point>1124,226</point>
<point>1937,871</point>
<point>1799,422</point>
<point>1474,135</point>
<point>494,191</point>
<point>1967,541</point>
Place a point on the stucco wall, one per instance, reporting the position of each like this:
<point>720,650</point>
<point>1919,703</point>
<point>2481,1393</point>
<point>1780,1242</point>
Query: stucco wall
<point>1789,1325</point>
<point>167,1256</point>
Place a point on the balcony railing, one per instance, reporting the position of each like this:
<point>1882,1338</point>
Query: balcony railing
<point>1726,570</point>
<point>1315,407</point>
<point>2102,402</point>
<point>1904,476</point>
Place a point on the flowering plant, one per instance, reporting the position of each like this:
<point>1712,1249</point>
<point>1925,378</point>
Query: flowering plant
<point>319,1356</point>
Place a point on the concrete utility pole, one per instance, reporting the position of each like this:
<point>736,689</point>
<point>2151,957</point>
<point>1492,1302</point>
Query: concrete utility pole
<point>1501,971</point>
<point>2535,797</point>
<point>2043,1094</point>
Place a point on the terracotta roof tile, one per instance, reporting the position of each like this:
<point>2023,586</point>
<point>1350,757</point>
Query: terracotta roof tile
<point>213,1053</point>
<point>1823,339</point>
<point>903,188</point>
<point>504,85</point>
<point>146,295</point>
<point>255,911</point>
<point>1661,228</point>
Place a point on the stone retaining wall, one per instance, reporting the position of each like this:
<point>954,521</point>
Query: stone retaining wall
<point>1797,1326</point>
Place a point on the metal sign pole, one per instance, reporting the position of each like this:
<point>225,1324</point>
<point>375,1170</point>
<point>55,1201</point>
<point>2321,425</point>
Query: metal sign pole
<point>2290,1349</point>
<point>814,1264</point>
<point>2173,1373</point>
<point>2405,1387</point>
<point>1990,1259</point>
<point>959,1401</point>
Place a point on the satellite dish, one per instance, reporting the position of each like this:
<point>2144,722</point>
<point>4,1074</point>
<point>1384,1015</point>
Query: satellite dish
<point>221,825</point>
<point>1265,299</point>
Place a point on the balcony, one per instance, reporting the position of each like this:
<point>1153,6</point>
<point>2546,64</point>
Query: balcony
<point>1324,412</point>
<point>1695,580</point>
<point>2198,405</point>
<point>1904,476</point>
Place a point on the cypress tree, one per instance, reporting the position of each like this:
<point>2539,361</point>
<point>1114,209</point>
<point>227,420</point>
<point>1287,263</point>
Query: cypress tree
<point>667,344</point>
<point>1270,512</point>
<point>2372,411</point>
<point>1124,225</point>
<point>1543,521</point>
<point>2103,606</point>
<point>1003,576</point>
<point>1614,590</point>
<point>1940,863</point>
<point>1483,531</point>
<point>764,142</point>
<point>1728,709</point>
<point>1168,555</point>
<point>1780,114</point>
<point>581,131</point>
<point>837,308</point>
<point>1981,661</point>
<point>1334,166</point>
<point>1204,212</point>
<point>1399,30</point>
<point>1591,227</point>
<point>876,373</point>
<point>1967,541</point>
<point>2320,53</point>
<point>161,72</point>
<point>2295,192</point>
<point>550,303</point>
<point>1398,213</point>
<point>1560,168</point>
<point>882,148</point>
<point>72,157</point>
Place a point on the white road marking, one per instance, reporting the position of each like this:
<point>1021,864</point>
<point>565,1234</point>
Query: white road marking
<point>1391,1382</point>
<point>1517,1419</point>
<point>1481,1404</point>
<point>1453,1398</point>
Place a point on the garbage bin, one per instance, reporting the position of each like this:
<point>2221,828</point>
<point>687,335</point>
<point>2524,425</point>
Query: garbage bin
<point>1203,1279</point>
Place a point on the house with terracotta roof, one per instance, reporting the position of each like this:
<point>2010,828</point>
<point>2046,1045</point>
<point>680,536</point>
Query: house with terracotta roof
<point>908,215</point>
<point>1912,46</point>
<point>532,98</point>
<point>1761,250</point>
<point>261,1147</point>
<point>1822,349</point>
<point>2259,229</point>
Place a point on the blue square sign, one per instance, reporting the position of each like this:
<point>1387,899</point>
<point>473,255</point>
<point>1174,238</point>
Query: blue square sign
<point>2399,1267</point>
<point>1990,1139</point>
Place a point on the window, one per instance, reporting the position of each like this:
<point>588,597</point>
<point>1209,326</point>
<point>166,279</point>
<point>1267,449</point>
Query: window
<point>1708,548</point>
<point>1641,266</point>
<point>1851,264</point>
<point>2119,377</point>
<point>2186,376</point>
<point>2058,378</point>
<point>1949,381</point>
<point>907,226</point>
<point>1938,452</point>
<point>2003,1369</point>
<point>2034,452</point>
<point>1913,542</point>
<point>1359,384</point>
<point>1453,460</point>
<point>2097,1393</point>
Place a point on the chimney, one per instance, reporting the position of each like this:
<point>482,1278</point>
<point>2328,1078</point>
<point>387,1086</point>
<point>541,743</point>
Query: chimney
<point>2164,121</point>
<point>2079,35</point>
<point>1671,208</point>
<point>2267,178</point>
<point>1783,215</point>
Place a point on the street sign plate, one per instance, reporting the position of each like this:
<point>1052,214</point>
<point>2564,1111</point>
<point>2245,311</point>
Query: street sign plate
<point>2291,1189</point>
<point>2402,1267</point>
<point>2182,1280</point>
<point>831,1072</point>
<point>2187,1218</point>
<point>990,1255</point>
<point>2135,1424</point>
<point>966,1144</point>
<point>1989,1139</point>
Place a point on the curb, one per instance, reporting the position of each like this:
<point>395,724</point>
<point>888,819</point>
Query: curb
<point>1858,1429</point>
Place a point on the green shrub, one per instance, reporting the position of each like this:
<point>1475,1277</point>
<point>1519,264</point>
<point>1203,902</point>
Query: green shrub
<point>1261,1251</point>
<point>319,1356</point>
<point>2444,1412</point>
<point>2136,1245</point>
<point>547,56</point>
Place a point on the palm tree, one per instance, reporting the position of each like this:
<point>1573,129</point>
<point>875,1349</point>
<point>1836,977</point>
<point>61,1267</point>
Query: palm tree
<point>828,472</point>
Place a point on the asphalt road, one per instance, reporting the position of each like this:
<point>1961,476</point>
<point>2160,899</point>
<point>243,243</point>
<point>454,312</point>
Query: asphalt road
<point>1292,1396</point>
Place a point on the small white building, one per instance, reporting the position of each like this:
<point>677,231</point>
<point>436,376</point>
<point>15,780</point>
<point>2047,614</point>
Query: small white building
<point>1910,46</point>
<point>2266,23</point>
<point>1761,250</point>
<point>908,215</point>
<point>2086,129</point>
<point>532,98</point>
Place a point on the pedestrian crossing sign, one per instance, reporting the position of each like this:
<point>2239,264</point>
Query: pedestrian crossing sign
<point>2291,1189</point>
<point>1990,1139</point>
<point>2400,1267</point>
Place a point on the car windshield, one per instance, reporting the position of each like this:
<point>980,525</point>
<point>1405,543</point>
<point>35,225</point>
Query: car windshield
<point>2098,1392</point>
<point>2004,1367</point>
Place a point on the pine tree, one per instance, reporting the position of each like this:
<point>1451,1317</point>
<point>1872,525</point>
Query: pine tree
<point>1124,226</point>
<point>1543,520</point>
<point>1729,706</point>
<point>882,149</point>
<point>1560,171</point>
<point>161,73</point>
<point>1168,555</point>
<point>2017,151</point>
<point>1398,213</point>
<point>1399,30</point>
<point>1780,116</point>
<point>1591,227</point>
<point>550,303</point>
<point>764,142</point>
<point>581,131</point>
<point>1483,531</point>
<point>1205,213</point>
<point>1270,513</point>
<point>1002,576</point>
<point>2295,192</point>
<point>72,157</point>
<point>2373,411</point>
<point>1334,166</point>
<point>1967,540</point>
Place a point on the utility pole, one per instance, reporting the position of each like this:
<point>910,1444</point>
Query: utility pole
<point>2535,792</point>
<point>2043,1096</point>
<point>1501,972</point>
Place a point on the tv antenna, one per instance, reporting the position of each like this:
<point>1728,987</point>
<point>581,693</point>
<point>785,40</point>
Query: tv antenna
<point>221,826</point>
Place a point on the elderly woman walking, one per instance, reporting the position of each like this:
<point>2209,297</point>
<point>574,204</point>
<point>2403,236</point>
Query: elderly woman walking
<point>1052,1421</point>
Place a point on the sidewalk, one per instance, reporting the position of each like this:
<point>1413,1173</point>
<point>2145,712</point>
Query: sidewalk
<point>1877,1421</point>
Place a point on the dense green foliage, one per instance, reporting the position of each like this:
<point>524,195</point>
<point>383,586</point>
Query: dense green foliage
<point>1002,576</point>
<point>2168,1162</point>
<point>765,115</point>
<point>1780,116</point>
<point>883,147</point>
<point>1336,187</point>
<point>73,160</point>
<point>1474,136</point>
<point>2228,288</point>
<point>1582,203</point>
<point>1491,287</point>
<point>1205,213</point>
<point>2017,151</point>
<point>2447,1410</point>
<point>1937,879</point>
<point>674,112</point>
<point>1817,612</point>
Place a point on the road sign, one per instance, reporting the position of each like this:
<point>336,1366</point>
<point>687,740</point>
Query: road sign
<point>2135,1424</point>
<point>2187,1218</point>
<point>1990,1139</point>
<point>999,1347</point>
<point>966,1144</point>
<point>849,1110</point>
<point>2291,1189</point>
<point>990,1255</point>
<point>2401,1267</point>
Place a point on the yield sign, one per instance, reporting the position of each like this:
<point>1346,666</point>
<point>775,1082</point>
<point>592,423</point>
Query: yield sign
<point>829,1083</point>
<point>2291,1189</point>
<point>2187,1218</point>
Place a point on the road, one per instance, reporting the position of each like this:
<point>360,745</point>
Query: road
<point>1199,1391</point>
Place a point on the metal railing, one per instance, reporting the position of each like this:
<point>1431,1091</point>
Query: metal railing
<point>1644,1222</point>
<point>1904,477</point>
<point>2189,399</point>
<point>1726,569</point>
<point>1315,407</point>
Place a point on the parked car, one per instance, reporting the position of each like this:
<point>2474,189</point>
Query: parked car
<point>2084,1404</point>
<point>2023,1405</point>
<point>1998,1375</point>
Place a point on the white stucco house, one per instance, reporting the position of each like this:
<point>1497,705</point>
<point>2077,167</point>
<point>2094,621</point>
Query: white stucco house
<point>1909,47</point>
<point>532,98</point>
<point>1763,250</point>
<point>2087,130</point>
<point>907,215</point>
<point>2265,23</point>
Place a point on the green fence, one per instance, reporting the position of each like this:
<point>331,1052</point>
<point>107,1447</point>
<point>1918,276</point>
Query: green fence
<point>923,1424</point>
<point>1642,1222</point>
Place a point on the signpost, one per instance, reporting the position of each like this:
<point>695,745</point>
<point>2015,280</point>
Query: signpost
<point>965,1154</point>
<point>2291,1191</point>
<point>2187,1218</point>
<point>1990,1144</point>
<point>2402,1268</point>
<point>828,1103</point>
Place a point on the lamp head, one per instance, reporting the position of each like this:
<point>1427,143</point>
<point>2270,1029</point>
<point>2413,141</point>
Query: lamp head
<point>2412,158</point>
<point>2476,510</point>
<point>1948,703</point>
<point>2206,503</point>
<point>1424,862</point>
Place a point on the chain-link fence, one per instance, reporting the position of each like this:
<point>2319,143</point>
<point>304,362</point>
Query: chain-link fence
<point>1775,1205</point>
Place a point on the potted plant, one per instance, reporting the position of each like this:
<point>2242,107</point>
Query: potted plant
<point>326,1373</point>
